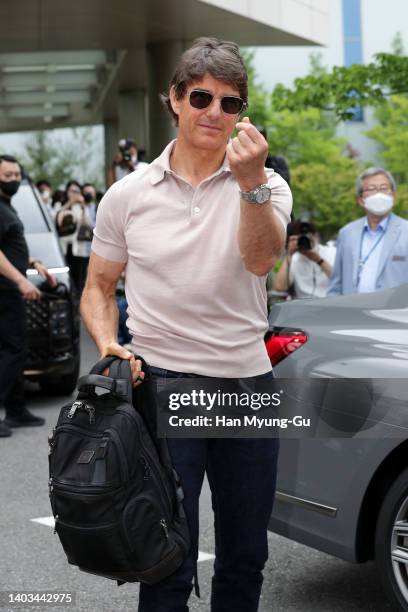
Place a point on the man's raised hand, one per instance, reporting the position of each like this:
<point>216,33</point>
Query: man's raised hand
<point>246,154</point>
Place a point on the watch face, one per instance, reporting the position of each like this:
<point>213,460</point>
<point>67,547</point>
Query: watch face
<point>263,195</point>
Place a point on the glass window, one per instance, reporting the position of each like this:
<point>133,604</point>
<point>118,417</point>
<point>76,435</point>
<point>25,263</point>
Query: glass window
<point>29,210</point>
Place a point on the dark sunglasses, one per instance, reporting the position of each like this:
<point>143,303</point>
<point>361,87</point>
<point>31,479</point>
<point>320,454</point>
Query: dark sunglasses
<point>232,105</point>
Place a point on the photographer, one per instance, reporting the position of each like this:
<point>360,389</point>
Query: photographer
<point>307,266</point>
<point>75,228</point>
<point>125,161</point>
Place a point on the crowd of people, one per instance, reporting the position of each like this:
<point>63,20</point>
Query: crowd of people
<point>74,213</point>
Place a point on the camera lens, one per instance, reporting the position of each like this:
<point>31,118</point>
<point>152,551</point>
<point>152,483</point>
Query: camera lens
<point>304,243</point>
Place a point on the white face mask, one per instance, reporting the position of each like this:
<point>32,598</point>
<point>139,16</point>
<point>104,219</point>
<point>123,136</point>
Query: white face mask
<point>379,204</point>
<point>134,159</point>
<point>46,197</point>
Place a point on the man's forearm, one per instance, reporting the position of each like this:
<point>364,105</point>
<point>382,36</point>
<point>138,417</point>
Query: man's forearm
<point>9,271</point>
<point>260,237</point>
<point>281,279</point>
<point>100,314</point>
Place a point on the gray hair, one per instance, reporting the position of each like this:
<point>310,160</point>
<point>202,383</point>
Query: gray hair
<point>220,58</point>
<point>373,171</point>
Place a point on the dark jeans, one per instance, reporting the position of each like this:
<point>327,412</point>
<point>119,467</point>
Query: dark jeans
<point>13,351</point>
<point>123,331</point>
<point>79,269</point>
<point>242,478</point>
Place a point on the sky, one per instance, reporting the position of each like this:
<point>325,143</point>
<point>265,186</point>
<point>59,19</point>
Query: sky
<point>380,22</point>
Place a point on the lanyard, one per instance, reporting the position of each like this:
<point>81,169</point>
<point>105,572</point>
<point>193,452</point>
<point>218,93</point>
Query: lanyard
<point>362,262</point>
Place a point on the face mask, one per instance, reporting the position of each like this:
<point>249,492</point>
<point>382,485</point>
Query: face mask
<point>46,197</point>
<point>134,159</point>
<point>9,188</point>
<point>88,197</point>
<point>379,204</point>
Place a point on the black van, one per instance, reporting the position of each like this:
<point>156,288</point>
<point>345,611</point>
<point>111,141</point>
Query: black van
<point>53,321</point>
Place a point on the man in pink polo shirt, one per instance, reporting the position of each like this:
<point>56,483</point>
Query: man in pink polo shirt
<point>199,230</point>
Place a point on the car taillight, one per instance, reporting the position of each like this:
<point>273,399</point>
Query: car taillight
<point>282,342</point>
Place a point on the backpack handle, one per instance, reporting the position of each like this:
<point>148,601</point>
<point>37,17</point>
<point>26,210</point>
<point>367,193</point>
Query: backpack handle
<point>118,386</point>
<point>118,382</point>
<point>112,360</point>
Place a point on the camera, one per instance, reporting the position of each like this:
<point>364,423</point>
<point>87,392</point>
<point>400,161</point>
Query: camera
<point>124,145</point>
<point>304,242</point>
<point>305,231</point>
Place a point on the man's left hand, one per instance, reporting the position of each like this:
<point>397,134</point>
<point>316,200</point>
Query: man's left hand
<point>246,154</point>
<point>43,272</point>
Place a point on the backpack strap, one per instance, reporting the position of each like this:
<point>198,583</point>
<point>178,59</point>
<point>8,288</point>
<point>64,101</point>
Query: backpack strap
<point>118,386</point>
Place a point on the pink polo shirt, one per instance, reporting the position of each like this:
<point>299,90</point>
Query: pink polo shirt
<point>193,307</point>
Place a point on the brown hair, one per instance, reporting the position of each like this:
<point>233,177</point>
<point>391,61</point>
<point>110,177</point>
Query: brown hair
<point>220,58</point>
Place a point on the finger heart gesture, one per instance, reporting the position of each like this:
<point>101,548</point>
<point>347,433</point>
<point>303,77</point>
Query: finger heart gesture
<point>246,154</point>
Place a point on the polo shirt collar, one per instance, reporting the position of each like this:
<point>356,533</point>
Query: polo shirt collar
<point>161,165</point>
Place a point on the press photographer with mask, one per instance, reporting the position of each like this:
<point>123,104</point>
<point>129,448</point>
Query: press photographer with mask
<point>305,271</point>
<point>372,252</point>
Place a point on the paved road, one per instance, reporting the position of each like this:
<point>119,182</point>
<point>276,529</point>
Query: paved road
<point>31,558</point>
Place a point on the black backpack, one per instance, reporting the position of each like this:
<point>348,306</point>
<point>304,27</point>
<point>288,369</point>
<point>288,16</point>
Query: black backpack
<point>115,496</point>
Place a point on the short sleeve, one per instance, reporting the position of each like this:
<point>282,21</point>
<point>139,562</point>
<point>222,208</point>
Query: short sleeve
<point>281,196</point>
<point>109,233</point>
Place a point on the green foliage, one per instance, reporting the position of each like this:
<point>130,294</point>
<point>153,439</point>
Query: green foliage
<point>259,104</point>
<point>347,87</point>
<point>325,194</point>
<point>322,175</point>
<point>305,137</point>
<point>391,133</point>
<point>59,160</point>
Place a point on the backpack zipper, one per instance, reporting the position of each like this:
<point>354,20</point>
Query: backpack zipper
<point>164,527</point>
<point>78,405</point>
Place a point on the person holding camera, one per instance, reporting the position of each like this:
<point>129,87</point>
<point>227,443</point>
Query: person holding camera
<point>125,161</point>
<point>306,269</point>
<point>75,228</point>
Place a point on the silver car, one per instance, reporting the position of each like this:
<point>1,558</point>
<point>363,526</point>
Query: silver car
<point>347,494</point>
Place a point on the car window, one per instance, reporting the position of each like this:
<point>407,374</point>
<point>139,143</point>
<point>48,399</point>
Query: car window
<point>29,211</point>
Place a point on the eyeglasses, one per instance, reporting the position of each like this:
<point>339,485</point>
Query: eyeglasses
<point>379,189</point>
<point>232,105</point>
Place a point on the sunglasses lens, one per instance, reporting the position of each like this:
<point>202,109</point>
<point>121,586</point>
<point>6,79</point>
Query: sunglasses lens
<point>200,99</point>
<point>231,105</point>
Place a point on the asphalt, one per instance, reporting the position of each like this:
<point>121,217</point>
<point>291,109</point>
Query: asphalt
<point>296,578</point>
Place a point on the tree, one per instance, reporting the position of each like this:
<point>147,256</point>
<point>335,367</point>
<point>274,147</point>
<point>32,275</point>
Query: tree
<point>58,160</point>
<point>345,88</point>
<point>259,102</point>
<point>391,134</point>
<point>323,174</point>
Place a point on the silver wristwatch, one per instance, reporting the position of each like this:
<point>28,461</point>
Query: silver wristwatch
<point>259,195</point>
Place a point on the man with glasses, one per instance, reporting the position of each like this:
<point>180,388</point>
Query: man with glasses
<point>199,230</point>
<point>372,252</point>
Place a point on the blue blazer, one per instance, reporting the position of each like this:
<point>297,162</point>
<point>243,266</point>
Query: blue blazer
<point>393,268</point>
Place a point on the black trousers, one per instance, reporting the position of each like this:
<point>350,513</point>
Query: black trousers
<point>79,269</point>
<point>13,351</point>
